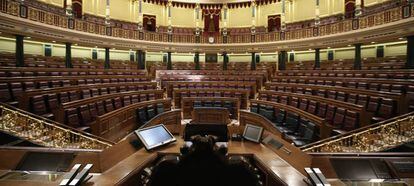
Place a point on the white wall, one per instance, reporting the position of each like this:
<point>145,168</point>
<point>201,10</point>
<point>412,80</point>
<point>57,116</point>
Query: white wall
<point>37,48</point>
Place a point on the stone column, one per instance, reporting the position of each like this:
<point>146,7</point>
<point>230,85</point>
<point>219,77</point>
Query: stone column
<point>357,60</point>
<point>107,60</point>
<point>19,51</point>
<point>68,55</point>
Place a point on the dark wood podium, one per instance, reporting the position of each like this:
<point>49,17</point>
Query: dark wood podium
<point>210,115</point>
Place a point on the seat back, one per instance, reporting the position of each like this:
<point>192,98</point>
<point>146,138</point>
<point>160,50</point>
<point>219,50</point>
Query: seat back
<point>341,96</point>
<point>117,103</point>
<point>312,107</point>
<point>109,106</point>
<point>254,108</point>
<point>73,96</point>
<point>332,94</point>
<point>85,115</point>
<point>72,117</point>
<point>362,100</point>
<point>373,104</point>
<point>151,112</point>
<point>52,102</point>
<point>134,99</point>
<point>303,104</point>
<point>38,105</point>
<point>351,120</point>
<point>100,107</point>
<point>92,110</point>
<point>142,115</point>
<point>5,94</point>
<point>160,108</point>
<point>339,117</point>
<point>292,122</point>
<point>294,102</point>
<point>330,113</point>
<point>387,109</point>
<point>322,110</point>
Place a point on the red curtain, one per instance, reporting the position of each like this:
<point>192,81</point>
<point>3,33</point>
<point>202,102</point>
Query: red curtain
<point>273,23</point>
<point>349,8</point>
<point>211,21</point>
<point>76,8</point>
<point>149,22</point>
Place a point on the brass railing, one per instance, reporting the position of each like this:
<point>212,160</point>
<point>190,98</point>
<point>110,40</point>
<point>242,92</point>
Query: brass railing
<point>375,138</point>
<point>45,133</point>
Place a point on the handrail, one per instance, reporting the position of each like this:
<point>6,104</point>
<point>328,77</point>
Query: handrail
<point>45,132</point>
<point>372,138</point>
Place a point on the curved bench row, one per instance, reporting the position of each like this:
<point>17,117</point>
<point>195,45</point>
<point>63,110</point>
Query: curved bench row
<point>288,122</point>
<point>242,95</point>
<point>117,124</point>
<point>386,74</point>
<point>332,110</point>
<point>258,79</point>
<point>29,72</point>
<point>398,101</point>
<point>43,101</point>
<point>173,85</point>
<point>67,113</point>
<point>12,87</point>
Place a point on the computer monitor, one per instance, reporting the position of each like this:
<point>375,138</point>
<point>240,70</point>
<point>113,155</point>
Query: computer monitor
<point>253,133</point>
<point>155,136</point>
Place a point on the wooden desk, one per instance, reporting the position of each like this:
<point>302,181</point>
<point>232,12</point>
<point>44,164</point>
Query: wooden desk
<point>276,167</point>
<point>126,170</point>
<point>210,115</point>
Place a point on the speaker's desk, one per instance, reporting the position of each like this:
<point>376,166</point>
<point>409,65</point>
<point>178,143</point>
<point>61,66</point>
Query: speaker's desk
<point>265,158</point>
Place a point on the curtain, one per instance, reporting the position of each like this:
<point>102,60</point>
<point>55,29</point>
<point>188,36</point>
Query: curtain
<point>273,23</point>
<point>77,8</point>
<point>149,22</point>
<point>349,8</point>
<point>211,21</point>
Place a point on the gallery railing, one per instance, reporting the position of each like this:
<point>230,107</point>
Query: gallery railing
<point>44,132</point>
<point>56,18</point>
<point>374,138</point>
